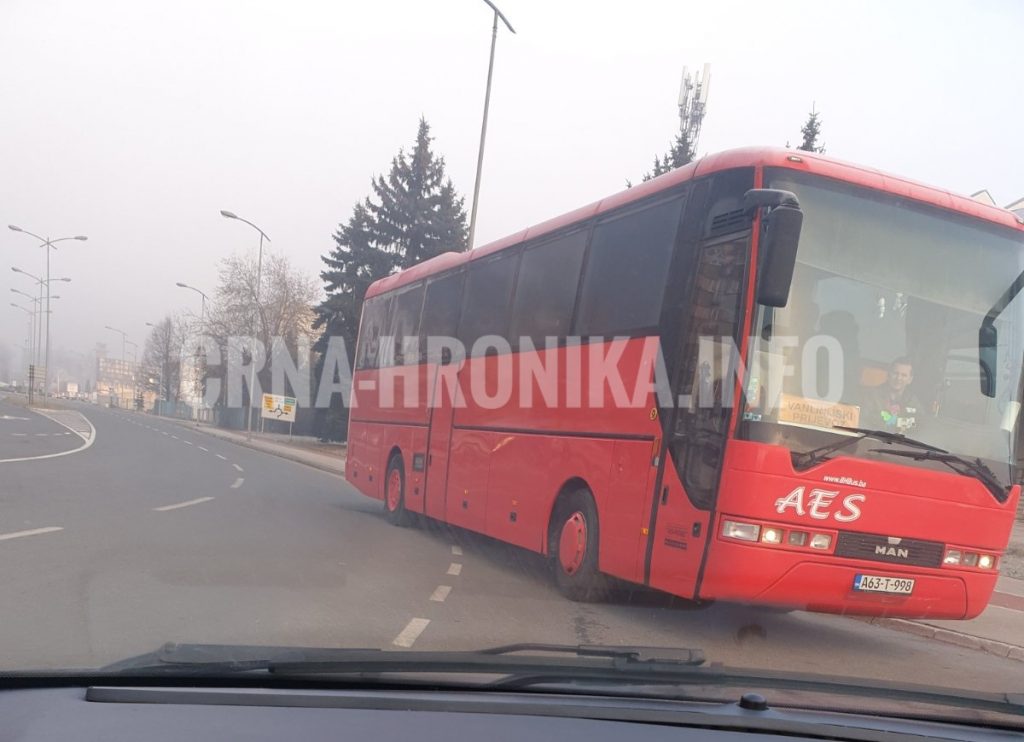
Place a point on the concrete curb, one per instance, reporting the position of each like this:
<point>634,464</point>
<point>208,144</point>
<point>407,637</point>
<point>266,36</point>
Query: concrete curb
<point>333,467</point>
<point>948,636</point>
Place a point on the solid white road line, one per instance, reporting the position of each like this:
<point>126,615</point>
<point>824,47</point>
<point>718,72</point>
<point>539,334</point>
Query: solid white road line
<point>238,467</point>
<point>237,484</point>
<point>165,508</point>
<point>440,593</point>
<point>32,532</point>
<point>222,458</point>
<point>455,569</point>
<point>456,550</point>
<point>411,632</point>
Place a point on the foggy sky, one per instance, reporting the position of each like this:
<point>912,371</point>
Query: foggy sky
<point>135,122</point>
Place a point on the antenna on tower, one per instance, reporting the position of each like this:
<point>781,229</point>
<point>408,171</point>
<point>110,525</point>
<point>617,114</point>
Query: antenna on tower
<point>693,101</point>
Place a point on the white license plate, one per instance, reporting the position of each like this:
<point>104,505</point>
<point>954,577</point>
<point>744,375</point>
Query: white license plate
<point>879,584</point>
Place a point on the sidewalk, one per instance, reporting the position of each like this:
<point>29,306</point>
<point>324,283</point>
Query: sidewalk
<point>329,457</point>
<point>1000,629</point>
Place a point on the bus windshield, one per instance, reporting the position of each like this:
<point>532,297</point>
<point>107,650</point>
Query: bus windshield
<point>881,328</point>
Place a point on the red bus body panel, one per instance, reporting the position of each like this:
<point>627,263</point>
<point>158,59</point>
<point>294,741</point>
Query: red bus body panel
<point>494,466</point>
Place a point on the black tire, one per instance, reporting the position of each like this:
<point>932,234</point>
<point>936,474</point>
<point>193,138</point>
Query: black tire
<point>576,573</point>
<point>394,503</point>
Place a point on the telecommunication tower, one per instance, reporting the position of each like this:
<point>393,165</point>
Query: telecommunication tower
<point>693,101</point>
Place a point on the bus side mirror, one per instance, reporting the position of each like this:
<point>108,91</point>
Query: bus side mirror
<point>779,242</point>
<point>988,358</point>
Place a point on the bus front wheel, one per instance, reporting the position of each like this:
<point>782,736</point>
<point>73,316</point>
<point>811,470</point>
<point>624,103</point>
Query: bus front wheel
<point>394,492</point>
<point>573,545</point>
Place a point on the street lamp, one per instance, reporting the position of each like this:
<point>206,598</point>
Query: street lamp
<point>124,338</point>
<point>483,126</point>
<point>202,325</point>
<point>39,326</point>
<point>48,243</point>
<point>202,310</point>
<point>256,312</point>
<point>163,359</point>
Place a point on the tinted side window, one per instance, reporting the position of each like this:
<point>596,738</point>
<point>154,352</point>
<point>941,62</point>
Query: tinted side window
<point>485,310</point>
<point>405,326</point>
<point>546,289</point>
<point>441,308</point>
<point>371,330</point>
<point>626,270</point>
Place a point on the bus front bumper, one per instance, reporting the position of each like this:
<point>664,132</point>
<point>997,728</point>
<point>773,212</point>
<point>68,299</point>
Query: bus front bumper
<point>780,579</point>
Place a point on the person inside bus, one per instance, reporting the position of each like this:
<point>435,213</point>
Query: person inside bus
<point>892,405</point>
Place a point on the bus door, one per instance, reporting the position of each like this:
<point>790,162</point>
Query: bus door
<point>443,383</point>
<point>697,428</point>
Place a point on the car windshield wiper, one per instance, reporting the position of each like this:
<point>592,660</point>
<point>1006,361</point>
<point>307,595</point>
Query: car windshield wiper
<point>563,667</point>
<point>214,659</point>
<point>806,459</point>
<point>960,464</point>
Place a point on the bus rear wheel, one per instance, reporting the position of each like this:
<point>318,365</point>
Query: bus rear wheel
<point>394,492</point>
<point>573,541</point>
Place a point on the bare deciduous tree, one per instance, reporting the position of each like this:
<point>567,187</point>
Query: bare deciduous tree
<point>163,353</point>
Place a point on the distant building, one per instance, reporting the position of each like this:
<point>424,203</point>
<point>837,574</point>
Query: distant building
<point>119,382</point>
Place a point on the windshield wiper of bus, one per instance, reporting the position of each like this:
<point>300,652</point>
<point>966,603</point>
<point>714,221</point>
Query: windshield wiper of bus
<point>806,459</point>
<point>960,464</point>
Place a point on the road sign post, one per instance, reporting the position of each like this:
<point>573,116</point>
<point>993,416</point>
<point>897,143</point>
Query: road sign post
<point>278,407</point>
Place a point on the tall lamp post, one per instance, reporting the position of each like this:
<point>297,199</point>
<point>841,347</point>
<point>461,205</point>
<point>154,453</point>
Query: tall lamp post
<point>160,394</point>
<point>135,373</point>
<point>48,244</point>
<point>124,342</point>
<point>31,331</point>
<point>42,283</point>
<point>202,326</point>
<point>483,126</point>
<point>256,316</point>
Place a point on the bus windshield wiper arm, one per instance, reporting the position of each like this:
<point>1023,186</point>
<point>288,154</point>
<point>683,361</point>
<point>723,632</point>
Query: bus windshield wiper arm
<point>960,464</point>
<point>807,459</point>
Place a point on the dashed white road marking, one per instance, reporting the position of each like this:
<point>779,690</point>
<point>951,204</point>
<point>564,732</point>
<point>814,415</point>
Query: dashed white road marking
<point>31,532</point>
<point>187,443</point>
<point>222,458</point>
<point>41,434</point>
<point>238,467</point>
<point>203,448</point>
<point>21,434</point>
<point>237,483</point>
<point>165,508</point>
<point>174,437</point>
<point>411,632</point>
<point>456,550</point>
<point>455,569</point>
<point>440,593</point>
<point>164,432</point>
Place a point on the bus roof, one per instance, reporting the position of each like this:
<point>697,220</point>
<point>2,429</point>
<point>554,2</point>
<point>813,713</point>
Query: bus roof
<point>735,158</point>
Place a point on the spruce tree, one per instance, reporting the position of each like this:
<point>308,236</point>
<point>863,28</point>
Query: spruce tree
<point>811,131</point>
<point>413,214</point>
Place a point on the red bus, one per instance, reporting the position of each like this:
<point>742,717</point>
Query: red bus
<point>814,371</point>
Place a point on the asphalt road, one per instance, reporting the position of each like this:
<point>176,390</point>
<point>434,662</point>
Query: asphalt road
<point>158,532</point>
<point>27,433</point>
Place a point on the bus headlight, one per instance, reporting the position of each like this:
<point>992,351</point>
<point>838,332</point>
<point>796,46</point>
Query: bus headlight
<point>986,561</point>
<point>953,557</point>
<point>970,560</point>
<point>770,535</point>
<point>741,531</point>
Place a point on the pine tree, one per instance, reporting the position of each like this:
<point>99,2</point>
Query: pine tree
<point>413,214</point>
<point>811,131</point>
<point>679,154</point>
